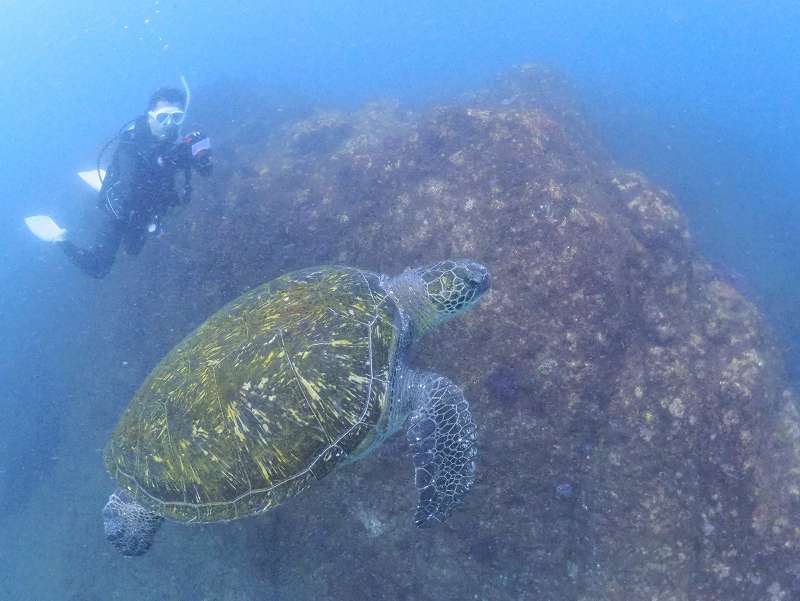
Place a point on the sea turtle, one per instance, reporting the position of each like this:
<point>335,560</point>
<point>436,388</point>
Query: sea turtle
<point>291,379</point>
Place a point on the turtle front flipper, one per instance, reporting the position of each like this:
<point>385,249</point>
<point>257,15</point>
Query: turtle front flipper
<point>129,526</point>
<point>441,433</point>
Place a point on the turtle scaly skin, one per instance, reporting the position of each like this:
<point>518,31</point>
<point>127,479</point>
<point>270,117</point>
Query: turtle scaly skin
<point>264,398</point>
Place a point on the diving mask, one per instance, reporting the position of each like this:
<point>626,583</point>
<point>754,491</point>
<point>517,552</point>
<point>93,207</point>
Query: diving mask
<point>166,122</point>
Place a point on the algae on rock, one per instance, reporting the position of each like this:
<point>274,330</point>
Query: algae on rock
<point>610,358</point>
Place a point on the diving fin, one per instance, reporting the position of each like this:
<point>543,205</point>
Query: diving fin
<point>44,228</point>
<point>93,177</point>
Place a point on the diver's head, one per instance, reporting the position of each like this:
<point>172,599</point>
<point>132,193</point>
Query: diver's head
<point>166,112</point>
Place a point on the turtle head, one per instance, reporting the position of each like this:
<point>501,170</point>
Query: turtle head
<point>434,293</point>
<point>454,286</point>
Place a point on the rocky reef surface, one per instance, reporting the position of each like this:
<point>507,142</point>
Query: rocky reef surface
<point>637,437</point>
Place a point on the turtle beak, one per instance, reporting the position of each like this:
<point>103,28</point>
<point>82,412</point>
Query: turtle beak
<point>485,283</point>
<point>479,277</point>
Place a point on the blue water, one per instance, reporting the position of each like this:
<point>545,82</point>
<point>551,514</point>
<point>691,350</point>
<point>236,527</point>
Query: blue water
<point>701,96</point>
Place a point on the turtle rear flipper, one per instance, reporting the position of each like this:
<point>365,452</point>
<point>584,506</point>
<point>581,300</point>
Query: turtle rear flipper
<point>441,433</point>
<point>129,526</point>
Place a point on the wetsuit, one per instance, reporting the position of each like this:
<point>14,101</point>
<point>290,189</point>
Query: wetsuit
<point>137,191</point>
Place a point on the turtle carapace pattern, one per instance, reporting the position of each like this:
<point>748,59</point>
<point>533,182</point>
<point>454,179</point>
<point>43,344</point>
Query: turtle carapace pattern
<point>283,384</point>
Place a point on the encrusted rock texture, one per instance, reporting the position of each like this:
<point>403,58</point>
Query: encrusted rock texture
<point>637,437</point>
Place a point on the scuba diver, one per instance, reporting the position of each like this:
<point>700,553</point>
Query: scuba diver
<point>139,187</point>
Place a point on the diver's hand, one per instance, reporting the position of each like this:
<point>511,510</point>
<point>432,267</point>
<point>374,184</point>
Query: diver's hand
<point>200,148</point>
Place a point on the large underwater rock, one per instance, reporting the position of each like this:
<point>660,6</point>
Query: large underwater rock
<point>637,438</point>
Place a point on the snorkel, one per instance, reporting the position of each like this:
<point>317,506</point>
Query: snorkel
<point>188,92</point>
<point>186,89</point>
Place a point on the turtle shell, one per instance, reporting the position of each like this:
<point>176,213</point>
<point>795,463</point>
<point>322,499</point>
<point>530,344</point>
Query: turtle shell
<point>265,397</point>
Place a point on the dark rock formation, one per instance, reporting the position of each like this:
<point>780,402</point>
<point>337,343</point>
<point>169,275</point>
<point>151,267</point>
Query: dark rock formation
<point>637,439</point>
